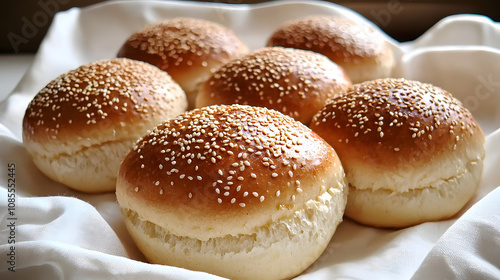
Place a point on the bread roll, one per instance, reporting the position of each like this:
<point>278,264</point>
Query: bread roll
<point>294,82</point>
<point>361,50</point>
<point>237,191</point>
<point>188,49</point>
<point>82,124</point>
<point>412,153</point>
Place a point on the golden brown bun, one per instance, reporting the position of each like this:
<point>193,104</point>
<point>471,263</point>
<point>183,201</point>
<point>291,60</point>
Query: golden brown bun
<point>412,153</point>
<point>361,50</point>
<point>82,124</point>
<point>294,82</point>
<point>233,190</point>
<point>188,49</point>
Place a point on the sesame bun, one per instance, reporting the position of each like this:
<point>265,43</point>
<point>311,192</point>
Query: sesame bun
<point>361,50</point>
<point>82,124</point>
<point>188,49</point>
<point>235,190</point>
<point>411,152</point>
<point>294,82</point>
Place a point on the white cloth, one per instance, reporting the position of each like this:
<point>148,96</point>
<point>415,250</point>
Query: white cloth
<point>64,234</point>
<point>469,248</point>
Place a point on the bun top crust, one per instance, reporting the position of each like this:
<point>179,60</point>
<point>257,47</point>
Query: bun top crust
<point>182,45</point>
<point>389,123</point>
<point>340,39</point>
<point>97,98</point>
<point>225,170</point>
<point>294,82</point>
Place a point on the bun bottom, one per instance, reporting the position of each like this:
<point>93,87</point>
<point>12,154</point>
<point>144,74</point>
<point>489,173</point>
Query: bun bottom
<point>438,201</point>
<point>192,83</point>
<point>370,69</point>
<point>91,169</point>
<point>279,250</point>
